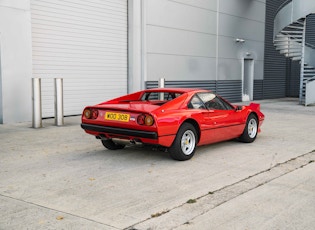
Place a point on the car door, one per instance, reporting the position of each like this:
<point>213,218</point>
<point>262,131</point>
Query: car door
<point>203,116</point>
<point>228,122</point>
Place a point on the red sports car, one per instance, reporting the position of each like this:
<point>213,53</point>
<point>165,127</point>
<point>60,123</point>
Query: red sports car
<point>178,119</point>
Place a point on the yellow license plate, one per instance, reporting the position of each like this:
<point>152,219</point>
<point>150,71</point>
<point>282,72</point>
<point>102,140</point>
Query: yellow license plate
<point>117,116</point>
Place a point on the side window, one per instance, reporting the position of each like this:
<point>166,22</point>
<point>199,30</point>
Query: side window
<point>208,101</point>
<point>196,103</point>
<point>215,104</point>
<point>225,104</point>
<point>212,102</point>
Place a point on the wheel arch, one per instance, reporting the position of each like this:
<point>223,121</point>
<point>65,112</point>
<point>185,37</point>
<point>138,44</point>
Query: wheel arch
<point>255,114</point>
<point>196,126</point>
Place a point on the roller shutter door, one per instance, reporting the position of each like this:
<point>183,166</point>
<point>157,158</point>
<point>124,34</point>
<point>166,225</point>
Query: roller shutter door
<point>85,43</point>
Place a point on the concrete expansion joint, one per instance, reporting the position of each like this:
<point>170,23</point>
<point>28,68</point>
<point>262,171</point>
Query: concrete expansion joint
<point>184,214</point>
<point>61,214</point>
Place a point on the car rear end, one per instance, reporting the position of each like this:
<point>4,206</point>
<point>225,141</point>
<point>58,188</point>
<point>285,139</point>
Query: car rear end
<point>129,122</point>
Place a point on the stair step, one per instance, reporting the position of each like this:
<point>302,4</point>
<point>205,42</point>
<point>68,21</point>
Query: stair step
<point>293,44</point>
<point>282,36</point>
<point>300,21</point>
<point>287,51</point>
<point>286,35</point>
<point>309,70</point>
<point>296,59</point>
<point>295,27</point>
<point>292,32</point>
<point>288,40</point>
<point>287,46</point>
<point>296,42</point>
<point>295,36</point>
<point>307,66</point>
<point>293,56</point>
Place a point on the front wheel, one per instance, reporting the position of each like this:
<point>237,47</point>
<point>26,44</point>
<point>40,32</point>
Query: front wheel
<point>184,145</point>
<point>111,145</point>
<point>251,129</point>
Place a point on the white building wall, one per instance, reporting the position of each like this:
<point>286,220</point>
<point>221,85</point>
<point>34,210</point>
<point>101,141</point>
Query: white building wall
<point>16,61</point>
<point>181,39</point>
<point>243,19</point>
<point>196,40</point>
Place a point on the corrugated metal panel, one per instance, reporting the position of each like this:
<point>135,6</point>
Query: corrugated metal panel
<point>275,63</point>
<point>310,29</point>
<point>83,42</point>
<point>258,89</point>
<point>210,85</point>
<point>230,90</point>
<point>293,79</point>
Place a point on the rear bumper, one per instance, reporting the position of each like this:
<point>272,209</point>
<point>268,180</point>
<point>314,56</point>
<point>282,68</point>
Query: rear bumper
<point>120,131</point>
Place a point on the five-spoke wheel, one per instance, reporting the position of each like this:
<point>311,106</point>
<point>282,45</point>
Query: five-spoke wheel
<point>251,129</point>
<point>184,145</point>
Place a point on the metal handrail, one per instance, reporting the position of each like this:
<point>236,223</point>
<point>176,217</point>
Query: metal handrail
<point>282,5</point>
<point>310,79</point>
<point>310,45</point>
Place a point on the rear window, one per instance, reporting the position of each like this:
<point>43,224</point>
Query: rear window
<point>163,96</point>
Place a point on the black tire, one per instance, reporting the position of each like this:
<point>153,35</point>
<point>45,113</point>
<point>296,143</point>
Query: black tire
<point>251,129</point>
<point>188,135</point>
<point>111,145</point>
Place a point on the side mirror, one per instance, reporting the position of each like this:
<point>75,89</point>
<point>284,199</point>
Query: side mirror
<point>239,108</point>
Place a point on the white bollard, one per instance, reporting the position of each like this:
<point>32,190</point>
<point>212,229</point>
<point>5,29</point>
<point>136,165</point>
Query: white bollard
<point>59,120</point>
<point>161,85</point>
<point>37,103</point>
<point>161,82</point>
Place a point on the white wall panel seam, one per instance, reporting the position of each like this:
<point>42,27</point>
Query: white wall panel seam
<point>191,5</point>
<point>181,29</point>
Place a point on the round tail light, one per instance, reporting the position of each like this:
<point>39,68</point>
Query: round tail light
<point>140,119</point>
<point>90,113</point>
<point>94,113</point>
<point>87,113</point>
<point>148,120</point>
<point>145,119</point>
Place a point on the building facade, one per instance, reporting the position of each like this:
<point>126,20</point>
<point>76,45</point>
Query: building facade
<point>103,49</point>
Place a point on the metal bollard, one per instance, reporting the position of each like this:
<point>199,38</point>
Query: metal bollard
<point>37,103</point>
<point>59,120</point>
<point>161,82</point>
<point>161,85</point>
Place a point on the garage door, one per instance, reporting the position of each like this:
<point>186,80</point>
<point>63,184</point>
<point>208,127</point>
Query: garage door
<point>85,43</point>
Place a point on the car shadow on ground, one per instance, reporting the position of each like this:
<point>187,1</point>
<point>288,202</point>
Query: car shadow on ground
<point>149,153</point>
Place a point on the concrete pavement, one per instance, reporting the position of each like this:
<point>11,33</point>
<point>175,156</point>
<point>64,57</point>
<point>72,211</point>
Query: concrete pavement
<point>62,178</point>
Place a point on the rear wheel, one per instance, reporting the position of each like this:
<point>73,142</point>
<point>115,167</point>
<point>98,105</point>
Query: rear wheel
<point>184,145</point>
<point>111,145</point>
<point>251,129</point>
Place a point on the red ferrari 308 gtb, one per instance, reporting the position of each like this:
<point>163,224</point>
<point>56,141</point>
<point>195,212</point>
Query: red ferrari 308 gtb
<point>178,119</point>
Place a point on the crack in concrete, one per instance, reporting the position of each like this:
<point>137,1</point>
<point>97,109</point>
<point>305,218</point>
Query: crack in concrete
<point>56,210</point>
<point>185,213</point>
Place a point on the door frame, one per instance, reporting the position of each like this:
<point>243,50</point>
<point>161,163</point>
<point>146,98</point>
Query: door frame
<point>249,78</point>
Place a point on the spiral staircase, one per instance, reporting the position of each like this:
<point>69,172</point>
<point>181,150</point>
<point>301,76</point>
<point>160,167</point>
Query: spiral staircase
<point>289,40</point>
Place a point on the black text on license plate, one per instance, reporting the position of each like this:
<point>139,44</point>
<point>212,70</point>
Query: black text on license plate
<point>117,116</point>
